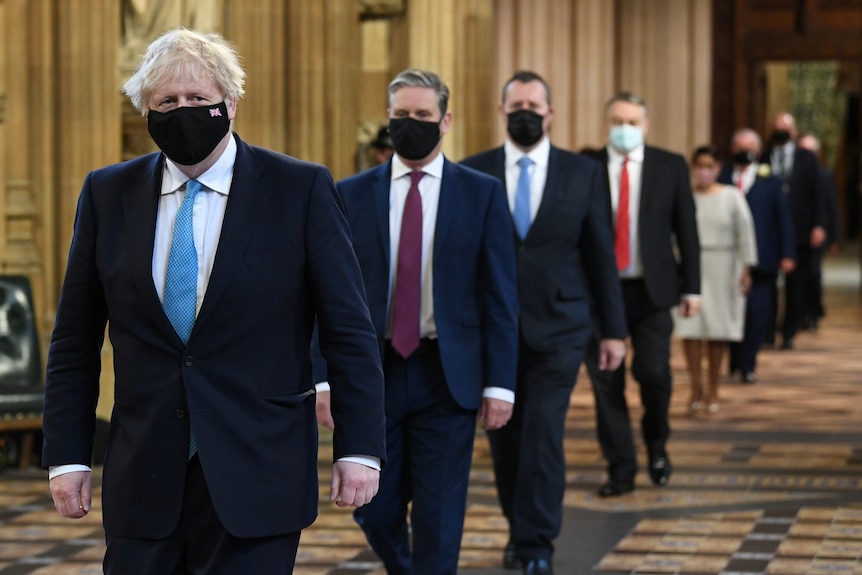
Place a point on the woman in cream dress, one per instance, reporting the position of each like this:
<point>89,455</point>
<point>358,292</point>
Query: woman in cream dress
<point>728,248</point>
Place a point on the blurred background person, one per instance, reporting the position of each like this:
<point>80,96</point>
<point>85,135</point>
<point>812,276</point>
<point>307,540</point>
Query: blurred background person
<point>773,229</point>
<point>814,304</point>
<point>801,172</point>
<point>381,147</point>
<point>727,250</point>
<point>653,213</point>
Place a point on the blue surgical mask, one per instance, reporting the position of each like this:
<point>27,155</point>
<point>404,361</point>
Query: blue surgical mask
<point>626,138</point>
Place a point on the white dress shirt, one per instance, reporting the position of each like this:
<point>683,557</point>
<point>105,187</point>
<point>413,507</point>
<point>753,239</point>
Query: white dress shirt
<point>635,171</point>
<point>538,173</point>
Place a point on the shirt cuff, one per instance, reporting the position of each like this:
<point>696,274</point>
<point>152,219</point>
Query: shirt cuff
<point>57,470</point>
<point>500,393</point>
<point>691,296</point>
<point>367,461</point>
<point>321,387</point>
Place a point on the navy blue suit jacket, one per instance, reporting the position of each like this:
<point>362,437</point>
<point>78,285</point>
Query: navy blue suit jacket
<point>567,255</point>
<point>475,293</point>
<point>772,222</point>
<point>243,378</point>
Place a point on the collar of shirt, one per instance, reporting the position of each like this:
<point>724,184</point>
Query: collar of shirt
<point>636,155</point>
<point>748,175</point>
<point>218,178</point>
<point>400,169</point>
<point>539,154</point>
<point>787,148</point>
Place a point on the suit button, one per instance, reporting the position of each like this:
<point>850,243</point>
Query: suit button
<point>181,414</point>
<point>189,361</point>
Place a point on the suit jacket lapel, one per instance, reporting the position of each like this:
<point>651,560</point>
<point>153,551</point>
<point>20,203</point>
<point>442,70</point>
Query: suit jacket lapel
<point>246,202</point>
<point>646,191</point>
<point>551,195</point>
<point>446,206</point>
<point>380,189</point>
<point>140,210</point>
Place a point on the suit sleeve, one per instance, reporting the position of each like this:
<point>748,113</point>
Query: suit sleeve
<point>599,260</point>
<point>74,356</point>
<point>499,294</point>
<point>685,230</point>
<point>346,337</point>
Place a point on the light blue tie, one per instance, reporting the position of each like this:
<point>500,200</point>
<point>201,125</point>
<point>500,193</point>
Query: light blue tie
<point>521,214</point>
<point>181,279</point>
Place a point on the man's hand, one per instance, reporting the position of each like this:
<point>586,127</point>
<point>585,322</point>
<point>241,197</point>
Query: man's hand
<point>353,484</point>
<point>787,265</point>
<point>611,353</point>
<point>324,414</point>
<point>818,236</point>
<point>73,493</point>
<point>495,413</point>
<point>689,307</point>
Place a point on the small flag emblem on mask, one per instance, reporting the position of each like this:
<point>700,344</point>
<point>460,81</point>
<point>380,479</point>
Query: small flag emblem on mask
<point>215,112</point>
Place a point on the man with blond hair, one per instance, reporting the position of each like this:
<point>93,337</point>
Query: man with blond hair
<point>209,261</point>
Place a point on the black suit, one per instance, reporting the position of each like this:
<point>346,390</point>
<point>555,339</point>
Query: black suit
<point>243,380</point>
<point>666,221</point>
<point>806,202</point>
<point>567,254</point>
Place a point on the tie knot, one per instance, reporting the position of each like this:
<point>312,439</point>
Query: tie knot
<point>525,162</point>
<point>192,188</point>
<point>625,161</point>
<point>415,176</point>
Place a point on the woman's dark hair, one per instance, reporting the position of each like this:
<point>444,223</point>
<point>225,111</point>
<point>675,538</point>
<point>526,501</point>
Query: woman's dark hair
<point>707,150</point>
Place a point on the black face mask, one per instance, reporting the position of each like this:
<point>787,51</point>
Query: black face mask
<point>413,139</point>
<point>744,158</point>
<point>780,137</point>
<point>188,134</point>
<point>525,127</point>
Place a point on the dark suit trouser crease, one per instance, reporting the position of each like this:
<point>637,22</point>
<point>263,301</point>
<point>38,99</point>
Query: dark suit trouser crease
<point>429,443</point>
<point>758,306</point>
<point>529,462</point>
<point>795,292</point>
<point>200,545</point>
<point>650,330</point>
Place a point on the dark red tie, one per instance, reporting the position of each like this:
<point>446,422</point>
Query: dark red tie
<point>621,241</point>
<point>408,276</point>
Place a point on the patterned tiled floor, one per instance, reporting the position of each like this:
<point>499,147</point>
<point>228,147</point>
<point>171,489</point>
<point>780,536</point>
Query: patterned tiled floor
<point>771,484</point>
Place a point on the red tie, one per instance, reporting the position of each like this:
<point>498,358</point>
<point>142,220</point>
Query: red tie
<point>621,241</point>
<point>408,276</point>
<point>739,182</point>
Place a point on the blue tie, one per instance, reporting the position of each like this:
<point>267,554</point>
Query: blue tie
<point>521,215</point>
<point>181,278</point>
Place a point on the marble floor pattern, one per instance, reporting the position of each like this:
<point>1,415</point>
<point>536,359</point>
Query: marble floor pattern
<point>770,484</point>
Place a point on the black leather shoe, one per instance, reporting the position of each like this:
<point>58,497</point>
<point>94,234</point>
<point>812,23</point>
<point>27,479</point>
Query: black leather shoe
<point>749,377</point>
<point>510,560</point>
<point>659,471</point>
<point>538,567</point>
<point>615,488</point>
<point>787,344</point>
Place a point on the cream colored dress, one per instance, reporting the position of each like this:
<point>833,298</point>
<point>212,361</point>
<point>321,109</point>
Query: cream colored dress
<point>727,245</point>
